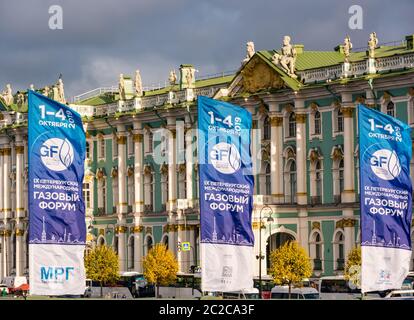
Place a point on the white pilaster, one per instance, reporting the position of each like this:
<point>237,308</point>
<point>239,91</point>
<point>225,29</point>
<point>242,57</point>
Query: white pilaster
<point>138,246</point>
<point>122,206</point>
<point>19,205</point>
<point>276,159</point>
<point>301,152</point>
<point>348,195</point>
<point>189,164</point>
<point>138,174</point>
<point>172,170</point>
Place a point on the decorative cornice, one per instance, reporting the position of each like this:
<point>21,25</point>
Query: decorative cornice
<point>276,121</point>
<point>19,149</point>
<point>137,229</point>
<point>19,232</point>
<point>347,112</point>
<point>316,225</point>
<point>121,140</point>
<point>121,229</point>
<point>301,118</point>
<point>137,137</point>
<point>345,223</point>
<point>7,151</point>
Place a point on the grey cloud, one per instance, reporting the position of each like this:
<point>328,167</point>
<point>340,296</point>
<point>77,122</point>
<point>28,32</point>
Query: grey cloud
<point>103,38</point>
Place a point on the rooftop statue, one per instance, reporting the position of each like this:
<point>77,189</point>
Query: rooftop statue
<point>121,87</point>
<point>249,51</point>
<point>347,48</point>
<point>372,44</point>
<point>55,91</point>
<point>46,91</point>
<point>138,84</point>
<point>31,87</point>
<point>20,99</point>
<point>287,59</point>
<point>172,78</point>
<point>61,91</point>
<point>189,77</point>
<point>8,95</point>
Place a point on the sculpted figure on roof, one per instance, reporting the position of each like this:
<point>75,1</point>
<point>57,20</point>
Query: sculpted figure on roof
<point>189,77</point>
<point>372,44</point>
<point>61,91</point>
<point>8,95</point>
<point>249,51</point>
<point>121,87</point>
<point>46,91</point>
<point>287,59</point>
<point>21,99</point>
<point>138,84</point>
<point>347,47</point>
<point>172,78</point>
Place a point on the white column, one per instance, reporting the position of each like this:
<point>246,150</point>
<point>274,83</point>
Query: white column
<point>276,159</point>
<point>138,246</point>
<point>189,164</point>
<point>7,209</point>
<point>122,206</point>
<point>348,195</point>
<point>301,153</point>
<point>138,174</point>
<point>2,234</point>
<point>19,206</point>
<point>349,230</point>
<point>172,171</point>
<point>191,238</point>
<point>303,230</point>
<point>1,255</point>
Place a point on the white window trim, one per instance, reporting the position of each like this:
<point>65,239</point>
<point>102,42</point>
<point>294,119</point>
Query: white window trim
<point>100,142</point>
<point>312,249</point>
<point>286,137</point>
<point>335,132</point>
<point>313,185</point>
<point>335,246</point>
<point>312,134</point>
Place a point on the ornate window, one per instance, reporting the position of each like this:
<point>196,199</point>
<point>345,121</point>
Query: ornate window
<point>88,150</point>
<point>317,123</point>
<point>339,252</point>
<point>131,252</point>
<point>114,146</point>
<point>131,190</point>
<point>87,195</point>
<point>268,180</point>
<point>337,172</point>
<point>164,188</point>
<point>102,146</point>
<point>148,244</point>
<point>148,189</point>
<point>130,144</point>
<point>182,190</point>
<point>316,250</point>
<point>390,109</point>
<point>115,193</point>
<point>292,125</point>
<point>290,182</point>
<point>266,128</point>
<point>341,176</point>
<point>339,120</point>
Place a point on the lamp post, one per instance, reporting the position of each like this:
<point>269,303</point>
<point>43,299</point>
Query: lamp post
<point>260,256</point>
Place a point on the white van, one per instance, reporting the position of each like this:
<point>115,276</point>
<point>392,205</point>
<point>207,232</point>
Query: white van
<point>282,292</point>
<point>251,293</point>
<point>13,282</point>
<point>337,288</point>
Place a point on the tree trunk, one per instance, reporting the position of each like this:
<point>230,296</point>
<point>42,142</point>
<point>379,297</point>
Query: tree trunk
<point>158,290</point>
<point>101,290</point>
<point>290,289</point>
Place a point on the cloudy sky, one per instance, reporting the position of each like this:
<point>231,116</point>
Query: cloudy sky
<point>102,38</point>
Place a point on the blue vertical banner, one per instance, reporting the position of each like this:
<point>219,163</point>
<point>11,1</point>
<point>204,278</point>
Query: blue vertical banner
<point>57,230</point>
<point>385,199</point>
<point>226,196</point>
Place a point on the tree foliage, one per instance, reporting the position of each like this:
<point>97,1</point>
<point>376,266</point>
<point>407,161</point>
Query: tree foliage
<point>290,264</point>
<point>160,266</point>
<point>102,265</point>
<point>353,266</point>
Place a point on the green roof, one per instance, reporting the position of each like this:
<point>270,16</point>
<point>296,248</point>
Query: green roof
<point>99,100</point>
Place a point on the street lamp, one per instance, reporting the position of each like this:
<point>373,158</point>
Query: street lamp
<point>260,256</point>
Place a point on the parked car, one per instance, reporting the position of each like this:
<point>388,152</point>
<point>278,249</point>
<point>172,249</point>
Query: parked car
<point>282,292</point>
<point>337,288</point>
<point>250,294</point>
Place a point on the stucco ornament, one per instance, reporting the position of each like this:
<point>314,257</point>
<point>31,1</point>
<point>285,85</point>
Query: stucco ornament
<point>46,91</point>
<point>138,83</point>
<point>287,59</point>
<point>249,51</point>
<point>347,48</point>
<point>372,44</point>
<point>8,95</point>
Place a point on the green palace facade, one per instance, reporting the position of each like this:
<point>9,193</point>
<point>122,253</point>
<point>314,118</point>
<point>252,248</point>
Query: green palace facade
<point>141,179</point>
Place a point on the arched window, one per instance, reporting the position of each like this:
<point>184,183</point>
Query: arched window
<point>317,123</point>
<point>165,241</point>
<point>390,109</point>
<point>164,191</point>
<point>88,150</point>
<point>339,121</point>
<point>131,252</point>
<point>115,194</point>
<point>268,180</point>
<point>292,125</point>
<point>290,183</point>
<point>101,241</point>
<point>339,254</point>
<point>182,188</point>
<point>266,128</point>
<point>316,251</point>
<point>148,244</point>
<point>115,243</point>
<point>318,181</point>
<point>102,148</point>
<point>148,192</point>
<point>131,193</point>
<point>341,176</point>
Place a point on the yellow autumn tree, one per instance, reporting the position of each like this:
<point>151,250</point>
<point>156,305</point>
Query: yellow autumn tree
<point>160,266</point>
<point>353,267</point>
<point>101,264</point>
<point>289,265</point>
